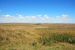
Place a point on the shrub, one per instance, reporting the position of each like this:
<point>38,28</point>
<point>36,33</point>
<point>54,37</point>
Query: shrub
<point>55,37</point>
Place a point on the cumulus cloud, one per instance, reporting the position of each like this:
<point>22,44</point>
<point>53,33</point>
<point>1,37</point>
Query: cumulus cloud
<point>63,18</point>
<point>35,19</point>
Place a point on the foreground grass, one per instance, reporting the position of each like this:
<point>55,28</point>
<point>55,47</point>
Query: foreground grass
<point>48,39</point>
<point>35,37</point>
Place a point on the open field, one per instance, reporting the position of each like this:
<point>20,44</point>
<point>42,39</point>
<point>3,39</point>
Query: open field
<point>37,36</point>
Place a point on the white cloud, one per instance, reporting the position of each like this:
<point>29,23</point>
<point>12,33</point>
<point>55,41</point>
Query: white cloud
<point>7,15</point>
<point>63,18</point>
<point>36,19</point>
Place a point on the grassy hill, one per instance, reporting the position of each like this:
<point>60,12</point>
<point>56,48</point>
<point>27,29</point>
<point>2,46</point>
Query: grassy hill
<point>37,36</point>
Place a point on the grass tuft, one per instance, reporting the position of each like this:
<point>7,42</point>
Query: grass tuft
<point>55,37</point>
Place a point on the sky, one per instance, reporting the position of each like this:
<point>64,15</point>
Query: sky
<point>37,11</point>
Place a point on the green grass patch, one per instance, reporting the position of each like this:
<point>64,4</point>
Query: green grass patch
<point>48,39</point>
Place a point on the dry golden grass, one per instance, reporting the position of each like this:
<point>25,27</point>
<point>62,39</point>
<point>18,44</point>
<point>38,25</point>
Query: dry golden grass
<point>26,36</point>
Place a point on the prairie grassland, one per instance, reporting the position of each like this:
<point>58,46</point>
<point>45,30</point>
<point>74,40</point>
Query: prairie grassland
<point>37,36</point>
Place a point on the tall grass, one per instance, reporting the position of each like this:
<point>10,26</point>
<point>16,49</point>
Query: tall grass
<point>55,38</point>
<point>27,37</point>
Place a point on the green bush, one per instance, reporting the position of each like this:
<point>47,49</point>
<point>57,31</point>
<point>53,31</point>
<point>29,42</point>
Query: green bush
<point>55,37</point>
<point>64,38</point>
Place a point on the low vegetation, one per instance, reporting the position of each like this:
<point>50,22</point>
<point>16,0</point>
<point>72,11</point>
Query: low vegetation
<point>37,37</point>
<point>48,39</point>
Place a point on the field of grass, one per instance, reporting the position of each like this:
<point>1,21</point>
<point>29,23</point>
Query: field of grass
<point>37,36</point>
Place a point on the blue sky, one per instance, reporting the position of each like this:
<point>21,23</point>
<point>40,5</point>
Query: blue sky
<point>43,8</point>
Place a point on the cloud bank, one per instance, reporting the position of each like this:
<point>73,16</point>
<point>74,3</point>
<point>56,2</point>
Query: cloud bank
<point>36,19</point>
